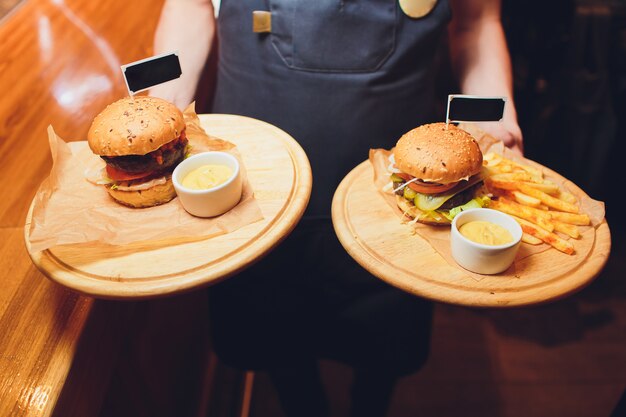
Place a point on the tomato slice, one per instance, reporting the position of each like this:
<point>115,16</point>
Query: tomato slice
<point>426,187</point>
<point>120,175</point>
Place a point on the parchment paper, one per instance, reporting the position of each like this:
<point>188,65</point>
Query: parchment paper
<point>439,236</point>
<point>68,209</point>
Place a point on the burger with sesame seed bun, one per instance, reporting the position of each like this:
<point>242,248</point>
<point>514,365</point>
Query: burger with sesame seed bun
<point>436,173</point>
<point>141,140</point>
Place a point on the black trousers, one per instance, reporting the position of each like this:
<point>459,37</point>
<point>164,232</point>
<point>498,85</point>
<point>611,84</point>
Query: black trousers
<point>309,298</point>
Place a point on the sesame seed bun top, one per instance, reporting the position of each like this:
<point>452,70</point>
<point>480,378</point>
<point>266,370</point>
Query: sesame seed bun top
<point>438,153</point>
<point>135,126</point>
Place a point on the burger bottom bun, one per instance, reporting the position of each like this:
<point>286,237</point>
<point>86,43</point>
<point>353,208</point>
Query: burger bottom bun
<point>413,212</point>
<point>154,196</point>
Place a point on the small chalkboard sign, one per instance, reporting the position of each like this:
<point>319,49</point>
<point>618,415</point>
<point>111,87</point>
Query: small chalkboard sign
<point>146,73</point>
<point>470,108</point>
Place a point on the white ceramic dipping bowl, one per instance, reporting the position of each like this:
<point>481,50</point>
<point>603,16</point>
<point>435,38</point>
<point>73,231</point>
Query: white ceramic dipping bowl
<point>479,258</point>
<point>213,201</point>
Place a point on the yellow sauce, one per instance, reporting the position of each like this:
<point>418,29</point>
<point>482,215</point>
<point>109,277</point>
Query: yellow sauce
<point>207,176</point>
<point>486,233</point>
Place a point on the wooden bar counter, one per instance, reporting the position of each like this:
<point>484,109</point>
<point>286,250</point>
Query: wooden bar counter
<point>59,351</point>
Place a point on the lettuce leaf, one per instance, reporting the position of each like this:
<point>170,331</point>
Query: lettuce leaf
<point>477,202</point>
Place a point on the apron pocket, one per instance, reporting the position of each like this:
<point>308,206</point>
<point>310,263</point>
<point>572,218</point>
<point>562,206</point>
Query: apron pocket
<point>334,35</point>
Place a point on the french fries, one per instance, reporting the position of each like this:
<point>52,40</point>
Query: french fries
<point>546,186</point>
<point>540,218</point>
<point>568,229</point>
<point>501,184</point>
<point>512,176</point>
<point>538,204</point>
<point>547,199</point>
<point>530,239</point>
<point>576,219</point>
<point>550,238</point>
<point>526,200</point>
<point>508,165</point>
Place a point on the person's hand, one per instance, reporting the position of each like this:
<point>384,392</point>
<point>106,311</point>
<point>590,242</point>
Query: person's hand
<point>177,91</point>
<point>508,132</point>
<point>193,43</point>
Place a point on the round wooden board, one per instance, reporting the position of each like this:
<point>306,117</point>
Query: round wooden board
<point>280,175</point>
<point>372,233</point>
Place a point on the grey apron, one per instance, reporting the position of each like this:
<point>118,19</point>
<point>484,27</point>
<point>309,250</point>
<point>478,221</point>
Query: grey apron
<point>341,77</point>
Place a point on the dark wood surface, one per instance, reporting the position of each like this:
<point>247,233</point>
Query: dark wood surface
<point>61,352</point>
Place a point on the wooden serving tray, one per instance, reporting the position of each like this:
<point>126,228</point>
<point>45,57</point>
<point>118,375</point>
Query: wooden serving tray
<point>373,234</point>
<point>280,175</point>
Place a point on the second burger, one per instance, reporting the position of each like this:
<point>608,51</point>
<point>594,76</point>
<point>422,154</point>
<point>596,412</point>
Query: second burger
<point>436,173</point>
